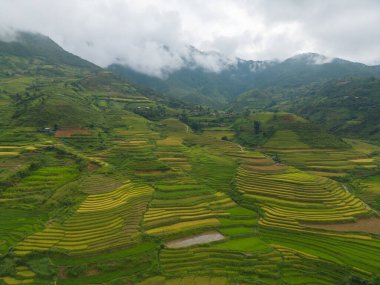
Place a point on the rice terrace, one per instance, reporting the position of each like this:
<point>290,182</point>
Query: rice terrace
<point>157,152</point>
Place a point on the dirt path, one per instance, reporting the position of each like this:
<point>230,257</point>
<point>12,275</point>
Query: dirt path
<point>365,204</point>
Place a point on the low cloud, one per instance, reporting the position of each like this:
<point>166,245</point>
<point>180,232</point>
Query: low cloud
<point>156,36</point>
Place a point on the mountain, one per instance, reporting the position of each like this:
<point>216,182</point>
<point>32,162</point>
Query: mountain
<point>309,68</point>
<point>42,85</point>
<point>346,107</point>
<point>36,46</point>
<point>198,85</point>
<point>102,182</point>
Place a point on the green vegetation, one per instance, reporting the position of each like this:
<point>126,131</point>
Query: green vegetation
<point>253,244</point>
<point>282,130</point>
<point>343,106</point>
<point>285,139</point>
<point>97,176</point>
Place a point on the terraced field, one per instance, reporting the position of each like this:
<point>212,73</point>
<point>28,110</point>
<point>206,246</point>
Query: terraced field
<point>199,206</point>
<point>327,162</point>
<point>219,132</point>
<point>361,252</point>
<point>195,280</point>
<point>285,139</point>
<point>369,190</point>
<point>185,185</point>
<point>138,188</point>
<point>277,265</point>
<point>103,221</point>
<point>23,275</point>
<point>214,262</point>
<point>16,224</point>
<point>38,181</point>
<point>289,197</point>
<point>11,161</point>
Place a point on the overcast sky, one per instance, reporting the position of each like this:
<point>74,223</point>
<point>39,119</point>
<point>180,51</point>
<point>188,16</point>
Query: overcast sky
<point>154,36</point>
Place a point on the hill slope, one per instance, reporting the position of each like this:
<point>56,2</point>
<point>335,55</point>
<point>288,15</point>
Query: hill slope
<point>123,192</point>
<point>197,85</point>
<point>345,107</point>
<point>42,85</point>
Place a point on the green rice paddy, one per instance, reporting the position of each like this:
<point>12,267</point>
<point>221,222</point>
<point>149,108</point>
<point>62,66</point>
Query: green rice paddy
<point>104,214</point>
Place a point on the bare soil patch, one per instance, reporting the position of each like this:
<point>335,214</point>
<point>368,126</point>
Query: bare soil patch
<point>151,172</point>
<point>91,167</point>
<point>288,118</point>
<point>369,225</point>
<point>66,133</point>
<point>196,239</point>
<point>274,168</point>
<point>91,272</point>
<point>62,273</point>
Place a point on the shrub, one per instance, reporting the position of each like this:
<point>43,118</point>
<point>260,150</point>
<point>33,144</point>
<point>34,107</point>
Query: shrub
<point>42,267</point>
<point>7,267</point>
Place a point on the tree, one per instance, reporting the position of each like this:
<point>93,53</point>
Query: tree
<point>257,127</point>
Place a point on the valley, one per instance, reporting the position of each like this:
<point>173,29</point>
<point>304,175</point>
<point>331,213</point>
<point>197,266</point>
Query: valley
<point>105,182</point>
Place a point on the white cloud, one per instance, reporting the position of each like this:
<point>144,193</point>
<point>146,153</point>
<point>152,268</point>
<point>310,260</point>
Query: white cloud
<point>154,36</point>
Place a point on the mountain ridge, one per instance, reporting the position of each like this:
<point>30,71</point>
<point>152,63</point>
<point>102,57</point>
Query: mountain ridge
<point>194,84</point>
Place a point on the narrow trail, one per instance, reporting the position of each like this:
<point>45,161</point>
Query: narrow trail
<point>365,204</point>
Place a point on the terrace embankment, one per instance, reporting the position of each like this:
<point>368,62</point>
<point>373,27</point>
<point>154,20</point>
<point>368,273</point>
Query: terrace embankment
<point>196,239</point>
<point>369,225</point>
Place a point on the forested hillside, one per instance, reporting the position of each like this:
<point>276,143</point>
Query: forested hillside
<point>104,182</point>
<point>345,107</point>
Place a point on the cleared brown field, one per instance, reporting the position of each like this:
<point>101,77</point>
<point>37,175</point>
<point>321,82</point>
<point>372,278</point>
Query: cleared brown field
<point>70,132</point>
<point>369,225</point>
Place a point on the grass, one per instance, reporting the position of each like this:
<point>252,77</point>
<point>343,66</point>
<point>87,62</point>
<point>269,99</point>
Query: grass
<point>183,226</point>
<point>357,253</point>
<point>181,184</point>
<point>285,139</point>
<point>98,206</point>
<point>362,146</point>
<point>249,244</point>
<point>16,224</point>
<point>327,162</point>
<point>368,189</point>
<point>237,231</point>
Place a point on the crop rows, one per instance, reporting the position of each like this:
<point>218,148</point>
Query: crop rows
<point>291,197</point>
<point>174,157</point>
<point>103,221</point>
<point>285,139</point>
<point>326,162</point>
<point>362,254</point>
<point>137,156</point>
<point>214,144</point>
<point>180,202</point>
<point>23,276</point>
<point>97,183</point>
<point>238,266</point>
<point>40,184</point>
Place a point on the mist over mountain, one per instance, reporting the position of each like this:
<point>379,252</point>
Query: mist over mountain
<point>26,44</point>
<point>185,163</point>
<point>198,84</point>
